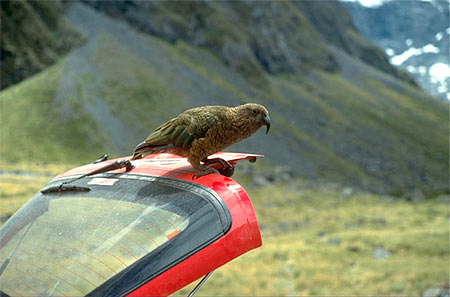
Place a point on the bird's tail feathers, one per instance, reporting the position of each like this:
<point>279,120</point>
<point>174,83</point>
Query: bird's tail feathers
<point>147,148</point>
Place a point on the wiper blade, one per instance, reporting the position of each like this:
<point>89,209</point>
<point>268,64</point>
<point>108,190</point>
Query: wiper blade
<point>64,187</point>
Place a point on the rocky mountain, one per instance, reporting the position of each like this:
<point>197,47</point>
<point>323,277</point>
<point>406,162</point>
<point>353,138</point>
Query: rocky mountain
<point>275,37</point>
<point>415,35</point>
<point>340,111</point>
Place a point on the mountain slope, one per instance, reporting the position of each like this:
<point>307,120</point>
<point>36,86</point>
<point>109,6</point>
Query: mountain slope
<point>351,124</point>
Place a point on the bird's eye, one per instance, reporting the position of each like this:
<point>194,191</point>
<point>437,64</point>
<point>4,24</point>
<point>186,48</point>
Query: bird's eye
<point>254,111</point>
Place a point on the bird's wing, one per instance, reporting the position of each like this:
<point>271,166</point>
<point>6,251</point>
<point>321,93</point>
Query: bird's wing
<point>180,132</point>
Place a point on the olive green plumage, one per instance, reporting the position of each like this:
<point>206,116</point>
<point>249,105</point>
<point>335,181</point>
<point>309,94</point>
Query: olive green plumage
<point>203,131</point>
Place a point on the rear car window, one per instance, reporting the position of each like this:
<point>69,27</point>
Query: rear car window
<point>109,240</point>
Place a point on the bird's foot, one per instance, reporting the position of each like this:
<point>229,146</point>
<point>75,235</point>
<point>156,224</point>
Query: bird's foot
<point>226,170</point>
<point>221,161</point>
<point>204,170</point>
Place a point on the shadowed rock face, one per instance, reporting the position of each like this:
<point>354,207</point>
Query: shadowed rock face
<point>33,37</point>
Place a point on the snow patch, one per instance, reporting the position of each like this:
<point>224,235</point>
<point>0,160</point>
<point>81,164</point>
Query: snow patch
<point>399,59</point>
<point>368,3</point>
<point>371,3</point>
<point>422,70</point>
<point>440,75</point>
<point>390,52</point>
<point>439,36</point>
<point>430,48</point>
<point>413,51</point>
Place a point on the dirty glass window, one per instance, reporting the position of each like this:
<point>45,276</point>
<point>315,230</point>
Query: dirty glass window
<point>69,243</point>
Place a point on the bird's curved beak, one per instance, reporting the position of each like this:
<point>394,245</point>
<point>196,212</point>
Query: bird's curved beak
<point>267,122</point>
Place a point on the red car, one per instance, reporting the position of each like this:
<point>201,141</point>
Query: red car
<point>114,228</point>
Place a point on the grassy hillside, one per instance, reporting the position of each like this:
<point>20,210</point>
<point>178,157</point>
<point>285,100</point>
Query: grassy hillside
<point>33,128</point>
<point>358,126</point>
<point>317,240</point>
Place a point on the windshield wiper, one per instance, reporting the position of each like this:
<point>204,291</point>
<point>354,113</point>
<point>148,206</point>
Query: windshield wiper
<point>109,167</point>
<point>64,187</point>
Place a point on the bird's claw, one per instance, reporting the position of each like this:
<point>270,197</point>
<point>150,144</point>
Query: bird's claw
<point>221,161</point>
<point>226,170</point>
<point>205,171</point>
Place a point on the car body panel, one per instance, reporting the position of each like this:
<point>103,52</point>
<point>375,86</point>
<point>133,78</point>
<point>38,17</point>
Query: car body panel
<point>242,236</point>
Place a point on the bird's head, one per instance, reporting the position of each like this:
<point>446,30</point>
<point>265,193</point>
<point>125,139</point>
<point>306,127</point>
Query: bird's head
<point>256,114</point>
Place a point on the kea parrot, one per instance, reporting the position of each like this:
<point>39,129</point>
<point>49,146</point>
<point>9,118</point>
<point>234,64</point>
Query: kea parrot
<point>202,131</point>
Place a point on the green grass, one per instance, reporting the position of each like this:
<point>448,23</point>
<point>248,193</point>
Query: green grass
<point>20,181</point>
<point>35,128</point>
<point>137,89</point>
<point>317,240</point>
<point>15,191</point>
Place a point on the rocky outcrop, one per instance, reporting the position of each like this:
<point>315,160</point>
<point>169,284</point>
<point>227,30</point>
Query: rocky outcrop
<point>33,37</point>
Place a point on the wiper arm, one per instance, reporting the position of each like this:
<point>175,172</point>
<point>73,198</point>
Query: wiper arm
<point>109,167</point>
<point>64,187</point>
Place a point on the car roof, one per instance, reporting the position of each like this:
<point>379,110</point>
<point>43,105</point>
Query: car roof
<point>164,164</point>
